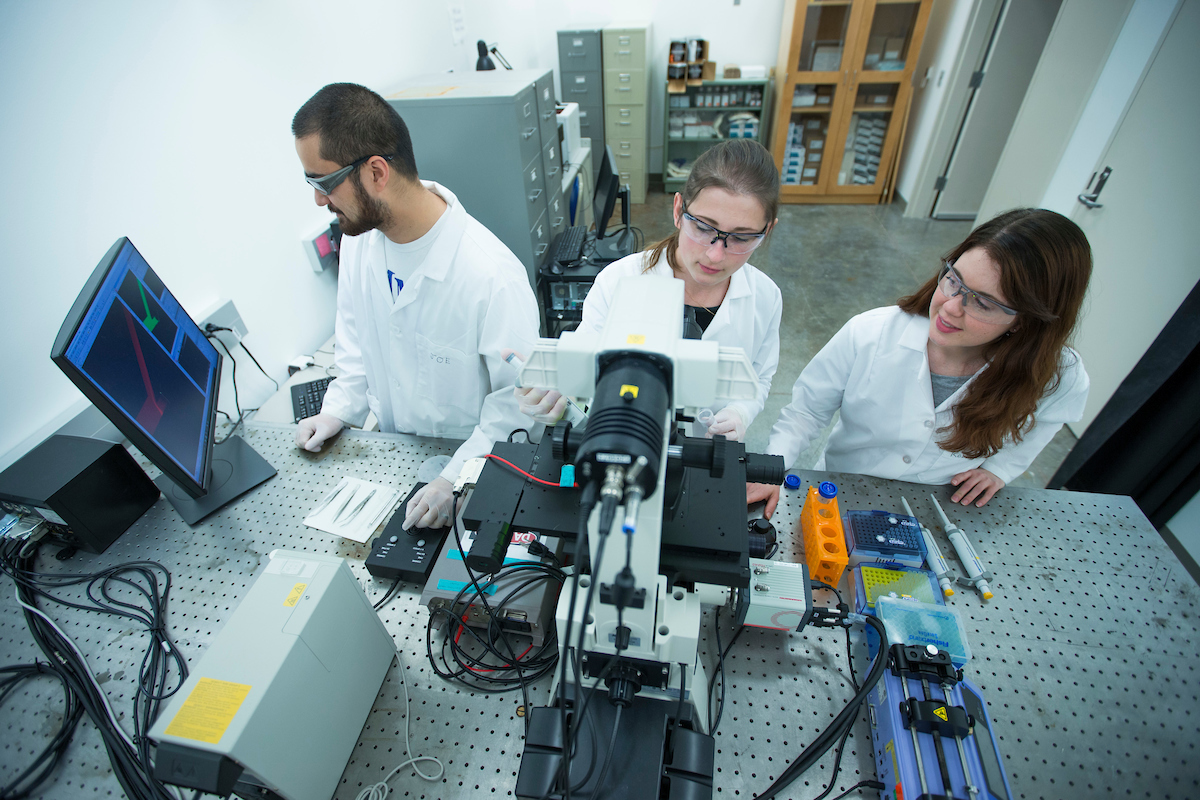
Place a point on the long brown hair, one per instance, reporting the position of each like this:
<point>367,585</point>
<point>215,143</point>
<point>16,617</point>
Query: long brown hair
<point>1045,262</point>
<point>740,166</point>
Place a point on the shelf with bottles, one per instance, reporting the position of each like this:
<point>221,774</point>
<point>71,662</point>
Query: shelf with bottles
<point>709,113</point>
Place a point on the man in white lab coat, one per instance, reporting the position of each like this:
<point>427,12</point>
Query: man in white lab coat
<point>427,297</point>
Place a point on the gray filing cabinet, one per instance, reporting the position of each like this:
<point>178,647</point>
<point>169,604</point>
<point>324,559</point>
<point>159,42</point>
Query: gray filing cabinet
<point>625,53</point>
<point>492,139</point>
<point>581,71</point>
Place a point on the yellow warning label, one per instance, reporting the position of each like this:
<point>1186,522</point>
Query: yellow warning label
<point>635,338</point>
<point>941,712</point>
<point>633,390</point>
<point>295,594</point>
<point>208,710</point>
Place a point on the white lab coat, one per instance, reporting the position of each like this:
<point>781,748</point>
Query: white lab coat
<point>748,318</point>
<point>429,363</point>
<point>876,370</point>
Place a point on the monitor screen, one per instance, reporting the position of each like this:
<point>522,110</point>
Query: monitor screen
<point>608,184</point>
<point>137,355</point>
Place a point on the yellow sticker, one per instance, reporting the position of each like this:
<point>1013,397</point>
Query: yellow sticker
<point>633,390</point>
<point>941,712</point>
<point>635,338</point>
<point>208,710</point>
<point>295,594</point>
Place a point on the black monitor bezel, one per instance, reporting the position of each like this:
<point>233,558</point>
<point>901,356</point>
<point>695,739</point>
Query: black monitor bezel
<point>114,413</point>
<point>604,204</point>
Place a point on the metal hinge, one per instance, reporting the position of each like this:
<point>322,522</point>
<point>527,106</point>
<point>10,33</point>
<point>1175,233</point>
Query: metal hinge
<point>976,79</point>
<point>939,184</point>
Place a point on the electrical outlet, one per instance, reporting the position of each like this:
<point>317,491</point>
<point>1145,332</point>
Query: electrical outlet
<point>226,316</point>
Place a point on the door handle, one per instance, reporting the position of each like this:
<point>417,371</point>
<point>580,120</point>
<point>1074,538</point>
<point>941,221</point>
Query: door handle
<point>1089,200</point>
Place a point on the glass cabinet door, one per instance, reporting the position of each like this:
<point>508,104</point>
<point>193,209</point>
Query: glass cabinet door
<point>807,133</point>
<point>862,150</point>
<point>823,41</point>
<point>890,37</point>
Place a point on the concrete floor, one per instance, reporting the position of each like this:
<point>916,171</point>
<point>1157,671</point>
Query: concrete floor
<point>832,262</point>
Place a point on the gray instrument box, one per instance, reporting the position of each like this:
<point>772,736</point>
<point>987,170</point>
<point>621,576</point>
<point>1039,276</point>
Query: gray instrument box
<point>530,612</point>
<point>281,695</point>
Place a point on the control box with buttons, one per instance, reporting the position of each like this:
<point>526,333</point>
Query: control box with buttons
<point>409,555</point>
<point>779,596</point>
<point>881,537</point>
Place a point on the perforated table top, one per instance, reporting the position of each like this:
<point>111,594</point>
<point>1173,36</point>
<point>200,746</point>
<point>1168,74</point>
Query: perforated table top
<point>1087,654</point>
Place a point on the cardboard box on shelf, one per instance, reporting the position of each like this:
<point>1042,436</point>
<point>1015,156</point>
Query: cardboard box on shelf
<point>731,72</point>
<point>698,73</point>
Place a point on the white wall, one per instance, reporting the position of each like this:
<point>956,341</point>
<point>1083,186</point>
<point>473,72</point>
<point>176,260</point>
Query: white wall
<point>943,40</point>
<point>169,123</point>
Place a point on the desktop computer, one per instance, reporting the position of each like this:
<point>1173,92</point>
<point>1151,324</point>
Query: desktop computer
<point>133,351</point>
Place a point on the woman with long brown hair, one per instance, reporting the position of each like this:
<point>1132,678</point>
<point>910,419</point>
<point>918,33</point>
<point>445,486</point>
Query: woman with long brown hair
<point>963,382</point>
<point>725,211</point>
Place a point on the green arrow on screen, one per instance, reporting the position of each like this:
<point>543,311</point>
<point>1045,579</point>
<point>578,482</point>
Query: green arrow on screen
<point>149,321</point>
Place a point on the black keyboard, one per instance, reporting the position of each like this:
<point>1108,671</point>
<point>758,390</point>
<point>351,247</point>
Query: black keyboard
<point>568,245</point>
<point>307,398</point>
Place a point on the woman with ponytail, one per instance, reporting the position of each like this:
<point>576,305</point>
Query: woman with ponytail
<point>725,211</point>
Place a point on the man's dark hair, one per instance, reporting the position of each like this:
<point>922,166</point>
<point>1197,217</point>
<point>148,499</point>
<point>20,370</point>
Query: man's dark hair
<point>353,122</point>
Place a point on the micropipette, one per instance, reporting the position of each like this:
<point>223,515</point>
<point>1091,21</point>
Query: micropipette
<point>933,555</point>
<point>977,576</point>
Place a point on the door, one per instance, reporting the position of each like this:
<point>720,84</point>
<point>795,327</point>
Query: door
<point>998,89</point>
<point>1139,223</point>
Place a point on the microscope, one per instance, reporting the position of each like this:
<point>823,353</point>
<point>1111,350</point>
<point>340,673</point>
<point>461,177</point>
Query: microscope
<point>656,522</point>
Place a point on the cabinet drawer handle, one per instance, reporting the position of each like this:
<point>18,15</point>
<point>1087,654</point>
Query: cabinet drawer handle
<point>579,91</point>
<point>558,221</point>
<point>624,40</point>
<point>534,197</point>
<point>624,88</point>
<point>528,133</point>
<point>577,55</point>
<point>552,173</point>
<point>541,249</point>
<point>623,123</point>
<point>548,115</point>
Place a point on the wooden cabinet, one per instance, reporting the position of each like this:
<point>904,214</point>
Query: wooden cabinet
<point>711,112</point>
<point>845,83</point>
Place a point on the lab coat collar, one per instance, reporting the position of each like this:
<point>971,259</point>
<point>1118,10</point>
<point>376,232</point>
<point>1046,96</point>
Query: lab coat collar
<point>441,255</point>
<point>739,284</point>
<point>915,335</point>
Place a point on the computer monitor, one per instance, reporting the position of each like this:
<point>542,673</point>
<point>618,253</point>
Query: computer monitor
<point>608,188</point>
<point>145,364</point>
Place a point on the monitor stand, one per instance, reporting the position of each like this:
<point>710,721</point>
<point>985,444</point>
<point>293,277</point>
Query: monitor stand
<point>611,248</point>
<point>235,468</point>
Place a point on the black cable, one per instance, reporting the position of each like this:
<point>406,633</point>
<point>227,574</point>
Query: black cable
<point>388,595</point>
<point>236,403</point>
<point>131,757</point>
<point>48,759</point>
<point>260,367</point>
<point>721,672</point>
<point>819,746</point>
<point>515,432</point>
<point>612,744</point>
<point>868,784</point>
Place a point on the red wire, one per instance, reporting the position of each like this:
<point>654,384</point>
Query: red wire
<point>526,474</point>
<point>458,635</point>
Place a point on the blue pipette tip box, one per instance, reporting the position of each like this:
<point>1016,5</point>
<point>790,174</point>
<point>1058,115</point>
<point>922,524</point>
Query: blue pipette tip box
<point>881,537</point>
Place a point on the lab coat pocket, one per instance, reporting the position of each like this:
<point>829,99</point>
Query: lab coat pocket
<point>448,383</point>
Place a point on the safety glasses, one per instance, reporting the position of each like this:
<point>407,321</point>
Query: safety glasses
<point>327,183</point>
<point>980,307</point>
<point>703,233</point>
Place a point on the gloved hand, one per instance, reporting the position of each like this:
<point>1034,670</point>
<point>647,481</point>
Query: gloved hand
<point>544,405</point>
<point>728,422</point>
<point>431,507</point>
<point>313,432</point>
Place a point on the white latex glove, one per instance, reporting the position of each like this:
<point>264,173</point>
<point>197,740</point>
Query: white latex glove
<point>312,432</point>
<point>431,507</point>
<point>729,423</point>
<point>544,405</point>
